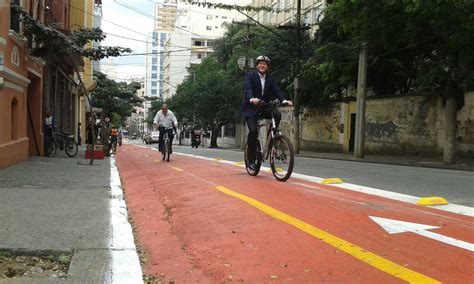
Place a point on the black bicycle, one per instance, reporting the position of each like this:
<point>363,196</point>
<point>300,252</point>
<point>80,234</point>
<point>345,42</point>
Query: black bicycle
<point>166,151</point>
<point>63,141</point>
<point>278,149</point>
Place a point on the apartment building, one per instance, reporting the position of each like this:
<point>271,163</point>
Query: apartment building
<point>312,11</point>
<point>21,82</point>
<point>195,30</point>
<point>165,15</point>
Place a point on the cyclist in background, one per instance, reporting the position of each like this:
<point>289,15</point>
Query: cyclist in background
<point>259,86</point>
<point>166,121</point>
<point>113,137</point>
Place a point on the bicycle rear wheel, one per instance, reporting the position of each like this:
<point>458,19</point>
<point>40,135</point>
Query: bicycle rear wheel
<point>168,150</point>
<point>258,161</point>
<point>51,149</point>
<point>282,158</point>
<point>71,148</point>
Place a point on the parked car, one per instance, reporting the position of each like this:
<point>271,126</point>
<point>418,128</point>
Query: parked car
<point>153,137</point>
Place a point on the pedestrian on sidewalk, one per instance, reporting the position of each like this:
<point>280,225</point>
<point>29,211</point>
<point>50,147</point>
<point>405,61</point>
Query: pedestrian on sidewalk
<point>49,125</point>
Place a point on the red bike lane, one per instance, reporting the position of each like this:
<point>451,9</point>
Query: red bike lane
<point>205,221</point>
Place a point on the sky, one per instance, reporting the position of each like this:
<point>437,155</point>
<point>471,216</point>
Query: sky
<point>122,21</point>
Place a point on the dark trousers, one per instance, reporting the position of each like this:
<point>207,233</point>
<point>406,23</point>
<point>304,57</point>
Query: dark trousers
<point>161,140</point>
<point>252,123</point>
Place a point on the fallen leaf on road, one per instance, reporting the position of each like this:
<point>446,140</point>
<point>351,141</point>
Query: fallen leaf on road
<point>284,265</point>
<point>307,270</point>
<point>230,277</point>
<point>274,276</point>
<point>226,264</point>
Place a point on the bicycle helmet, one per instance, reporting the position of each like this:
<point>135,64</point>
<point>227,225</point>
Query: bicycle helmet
<point>263,58</point>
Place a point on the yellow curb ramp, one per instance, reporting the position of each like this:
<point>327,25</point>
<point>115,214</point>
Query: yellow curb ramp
<point>331,181</point>
<point>431,201</point>
<point>218,159</point>
<point>239,163</point>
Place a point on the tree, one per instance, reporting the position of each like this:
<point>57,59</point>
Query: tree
<point>414,46</point>
<point>117,99</point>
<point>207,98</point>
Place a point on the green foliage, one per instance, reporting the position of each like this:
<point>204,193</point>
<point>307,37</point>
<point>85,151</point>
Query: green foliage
<point>117,99</point>
<point>412,44</point>
<point>207,95</point>
<point>50,41</point>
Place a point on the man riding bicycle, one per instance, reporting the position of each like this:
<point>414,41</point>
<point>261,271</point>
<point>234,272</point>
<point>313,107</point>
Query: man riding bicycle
<point>166,122</point>
<point>113,138</point>
<point>259,86</point>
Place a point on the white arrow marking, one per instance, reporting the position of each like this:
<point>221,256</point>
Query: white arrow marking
<point>396,227</point>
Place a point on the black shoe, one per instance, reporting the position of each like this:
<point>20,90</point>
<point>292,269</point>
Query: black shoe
<point>252,166</point>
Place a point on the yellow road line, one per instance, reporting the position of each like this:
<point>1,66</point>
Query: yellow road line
<point>359,253</point>
<point>177,169</point>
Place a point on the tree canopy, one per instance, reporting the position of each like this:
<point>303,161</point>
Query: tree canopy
<point>116,99</point>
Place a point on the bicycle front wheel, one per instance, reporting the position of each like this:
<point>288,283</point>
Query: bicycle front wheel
<point>282,158</point>
<point>71,148</point>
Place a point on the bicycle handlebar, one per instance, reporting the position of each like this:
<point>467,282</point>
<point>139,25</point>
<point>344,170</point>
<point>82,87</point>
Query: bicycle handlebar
<point>272,105</point>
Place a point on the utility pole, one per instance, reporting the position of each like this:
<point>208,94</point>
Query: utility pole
<point>296,76</point>
<point>361,102</point>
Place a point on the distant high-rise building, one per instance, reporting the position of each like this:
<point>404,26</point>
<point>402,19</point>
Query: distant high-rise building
<point>165,15</point>
<point>97,23</point>
<point>195,30</point>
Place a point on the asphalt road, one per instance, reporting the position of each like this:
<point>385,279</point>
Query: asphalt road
<point>456,186</point>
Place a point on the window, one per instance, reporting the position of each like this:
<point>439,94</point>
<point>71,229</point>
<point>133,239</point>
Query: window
<point>154,60</point>
<point>282,4</point>
<point>153,92</point>
<point>209,17</point>
<point>154,68</point>
<point>210,43</point>
<point>217,17</point>
<point>154,84</point>
<point>224,17</point>
<point>199,56</point>
<point>209,28</point>
<point>289,3</point>
<point>198,43</point>
<point>274,7</point>
<point>216,27</point>
<point>15,17</point>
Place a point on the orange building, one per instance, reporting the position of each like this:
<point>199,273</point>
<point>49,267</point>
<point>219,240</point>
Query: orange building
<point>21,84</point>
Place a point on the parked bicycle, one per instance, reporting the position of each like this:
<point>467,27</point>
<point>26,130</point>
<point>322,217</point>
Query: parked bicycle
<point>166,152</point>
<point>277,149</point>
<point>63,141</point>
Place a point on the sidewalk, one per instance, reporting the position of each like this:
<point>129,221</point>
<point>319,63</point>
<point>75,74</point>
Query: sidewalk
<point>414,161</point>
<point>61,206</point>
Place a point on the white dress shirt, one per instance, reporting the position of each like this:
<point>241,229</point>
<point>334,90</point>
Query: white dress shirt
<point>166,120</point>
<point>262,81</point>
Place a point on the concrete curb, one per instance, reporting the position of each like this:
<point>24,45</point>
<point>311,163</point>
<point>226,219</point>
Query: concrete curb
<point>125,261</point>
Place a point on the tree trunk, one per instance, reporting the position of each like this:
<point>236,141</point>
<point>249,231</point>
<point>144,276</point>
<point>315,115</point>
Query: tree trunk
<point>215,132</point>
<point>450,112</point>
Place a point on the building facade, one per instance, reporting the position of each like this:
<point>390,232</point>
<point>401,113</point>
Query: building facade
<point>21,83</point>
<point>195,30</point>
<point>312,11</point>
<point>165,15</point>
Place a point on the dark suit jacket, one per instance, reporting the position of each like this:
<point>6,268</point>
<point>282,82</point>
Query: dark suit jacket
<point>253,89</point>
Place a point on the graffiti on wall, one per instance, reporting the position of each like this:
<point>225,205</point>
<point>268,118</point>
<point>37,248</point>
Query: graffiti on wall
<point>381,132</point>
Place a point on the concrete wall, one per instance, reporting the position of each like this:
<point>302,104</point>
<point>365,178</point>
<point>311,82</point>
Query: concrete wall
<point>408,125</point>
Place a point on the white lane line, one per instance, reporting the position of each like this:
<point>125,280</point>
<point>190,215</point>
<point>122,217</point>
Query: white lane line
<point>125,262</point>
<point>453,208</point>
